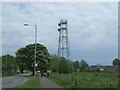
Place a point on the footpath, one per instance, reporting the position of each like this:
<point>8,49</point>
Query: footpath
<point>46,83</point>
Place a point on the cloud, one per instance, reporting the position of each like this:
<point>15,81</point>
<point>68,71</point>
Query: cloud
<point>92,28</point>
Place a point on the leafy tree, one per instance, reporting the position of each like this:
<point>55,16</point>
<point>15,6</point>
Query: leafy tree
<point>76,65</point>
<point>83,65</point>
<point>64,66</point>
<point>8,64</point>
<point>116,62</point>
<point>54,63</point>
<point>26,59</point>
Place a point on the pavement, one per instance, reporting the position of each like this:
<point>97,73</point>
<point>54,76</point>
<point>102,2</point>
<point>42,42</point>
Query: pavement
<point>46,83</point>
<point>12,81</point>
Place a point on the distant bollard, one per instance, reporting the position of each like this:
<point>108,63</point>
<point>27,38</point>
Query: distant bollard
<point>110,84</point>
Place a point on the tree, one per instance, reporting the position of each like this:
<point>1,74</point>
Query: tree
<point>83,65</point>
<point>64,66</point>
<point>61,66</point>
<point>54,63</point>
<point>76,65</point>
<point>8,64</point>
<point>116,62</point>
<point>26,57</point>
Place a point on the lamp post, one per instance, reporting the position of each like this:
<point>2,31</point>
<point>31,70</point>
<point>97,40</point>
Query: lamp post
<point>35,65</point>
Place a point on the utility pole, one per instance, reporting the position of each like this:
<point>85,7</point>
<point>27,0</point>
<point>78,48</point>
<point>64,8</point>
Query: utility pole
<point>35,49</point>
<point>35,64</point>
<point>6,63</point>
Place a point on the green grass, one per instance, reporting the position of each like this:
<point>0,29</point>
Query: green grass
<point>86,79</point>
<point>33,82</point>
<point>9,74</point>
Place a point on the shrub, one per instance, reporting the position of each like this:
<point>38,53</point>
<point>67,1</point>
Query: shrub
<point>64,66</point>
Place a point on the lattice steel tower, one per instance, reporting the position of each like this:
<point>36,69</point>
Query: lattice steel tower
<point>63,44</point>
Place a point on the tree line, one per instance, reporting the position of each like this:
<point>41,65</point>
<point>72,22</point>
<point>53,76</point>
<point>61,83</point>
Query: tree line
<point>25,60</point>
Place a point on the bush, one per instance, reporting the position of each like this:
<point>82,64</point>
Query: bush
<point>64,66</point>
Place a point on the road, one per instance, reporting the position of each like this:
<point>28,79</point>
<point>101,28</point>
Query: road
<point>11,81</point>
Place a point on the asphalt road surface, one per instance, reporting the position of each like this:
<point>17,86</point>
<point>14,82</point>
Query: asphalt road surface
<point>11,81</point>
<point>46,83</point>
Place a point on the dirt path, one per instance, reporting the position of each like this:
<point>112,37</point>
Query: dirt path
<point>46,83</point>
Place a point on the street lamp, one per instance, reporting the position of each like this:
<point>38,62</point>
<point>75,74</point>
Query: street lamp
<point>35,65</point>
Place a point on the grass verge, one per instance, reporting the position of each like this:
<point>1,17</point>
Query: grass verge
<point>9,74</point>
<point>86,79</point>
<point>33,82</point>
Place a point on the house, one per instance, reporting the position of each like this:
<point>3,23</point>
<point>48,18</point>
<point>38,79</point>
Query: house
<point>103,68</point>
<point>76,70</point>
<point>111,68</point>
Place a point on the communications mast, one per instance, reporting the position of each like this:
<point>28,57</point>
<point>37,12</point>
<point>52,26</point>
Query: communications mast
<point>63,44</point>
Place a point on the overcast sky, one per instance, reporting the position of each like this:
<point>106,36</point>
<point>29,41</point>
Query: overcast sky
<point>92,28</point>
